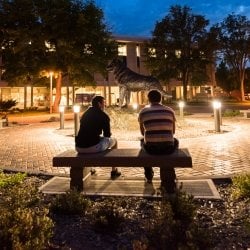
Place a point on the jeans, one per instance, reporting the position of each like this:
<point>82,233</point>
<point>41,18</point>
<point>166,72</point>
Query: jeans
<point>157,150</point>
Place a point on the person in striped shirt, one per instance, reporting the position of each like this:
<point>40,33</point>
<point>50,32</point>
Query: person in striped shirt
<point>157,126</point>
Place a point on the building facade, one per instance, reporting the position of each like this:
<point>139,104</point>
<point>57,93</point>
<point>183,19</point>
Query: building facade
<point>131,51</point>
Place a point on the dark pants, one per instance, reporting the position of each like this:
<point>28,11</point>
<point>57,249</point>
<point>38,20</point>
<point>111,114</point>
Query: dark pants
<point>157,149</point>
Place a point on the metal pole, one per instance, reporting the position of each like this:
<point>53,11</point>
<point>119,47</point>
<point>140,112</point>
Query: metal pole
<point>61,109</point>
<point>76,118</point>
<point>217,120</point>
<point>220,113</point>
<point>181,106</point>
<point>217,115</point>
<point>50,93</point>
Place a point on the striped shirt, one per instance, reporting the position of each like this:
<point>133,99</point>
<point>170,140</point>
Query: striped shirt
<point>157,124</point>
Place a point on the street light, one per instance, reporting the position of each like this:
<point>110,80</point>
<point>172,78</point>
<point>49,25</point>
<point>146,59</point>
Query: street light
<point>181,106</point>
<point>217,115</point>
<point>51,92</point>
<point>135,106</point>
<point>76,109</point>
<point>61,110</point>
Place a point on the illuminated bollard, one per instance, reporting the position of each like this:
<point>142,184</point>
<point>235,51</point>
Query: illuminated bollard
<point>76,109</point>
<point>61,110</point>
<point>217,115</point>
<point>135,106</point>
<point>181,106</point>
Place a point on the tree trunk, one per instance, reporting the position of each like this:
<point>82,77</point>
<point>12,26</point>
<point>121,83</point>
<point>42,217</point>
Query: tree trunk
<point>242,89</point>
<point>185,83</point>
<point>58,93</point>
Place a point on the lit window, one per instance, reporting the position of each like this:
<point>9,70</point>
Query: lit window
<point>152,52</point>
<point>87,49</point>
<point>50,47</point>
<point>122,50</point>
<point>178,53</point>
<point>138,50</point>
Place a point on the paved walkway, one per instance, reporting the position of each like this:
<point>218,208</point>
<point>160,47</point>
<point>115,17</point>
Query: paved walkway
<point>30,146</point>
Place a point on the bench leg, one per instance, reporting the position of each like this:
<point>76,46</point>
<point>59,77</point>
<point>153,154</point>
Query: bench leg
<point>79,177</point>
<point>168,178</point>
<point>76,179</point>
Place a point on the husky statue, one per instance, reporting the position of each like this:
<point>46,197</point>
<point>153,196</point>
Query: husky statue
<point>130,81</point>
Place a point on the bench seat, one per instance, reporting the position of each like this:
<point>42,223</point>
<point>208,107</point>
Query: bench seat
<point>246,113</point>
<point>133,157</point>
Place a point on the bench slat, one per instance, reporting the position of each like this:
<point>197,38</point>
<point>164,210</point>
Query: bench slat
<point>123,158</point>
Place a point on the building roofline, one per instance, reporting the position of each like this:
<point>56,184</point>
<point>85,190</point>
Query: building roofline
<point>127,39</point>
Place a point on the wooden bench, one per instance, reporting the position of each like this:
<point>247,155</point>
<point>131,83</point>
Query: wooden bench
<point>80,164</point>
<point>246,113</point>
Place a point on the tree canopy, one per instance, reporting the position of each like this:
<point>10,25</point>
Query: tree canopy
<point>234,38</point>
<point>175,50</point>
<point>68,37</point>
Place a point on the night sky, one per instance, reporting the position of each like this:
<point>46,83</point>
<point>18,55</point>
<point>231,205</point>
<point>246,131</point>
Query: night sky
<point>138,17</point>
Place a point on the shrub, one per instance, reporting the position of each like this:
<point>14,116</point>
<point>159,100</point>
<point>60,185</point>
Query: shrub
<point>108,216</point>
<point>8,104</point>
<point>7,180</point>
<point>231,113</point>
<point>24,221</point>
<point>241,186</point>
<point>173,226</point>
<point>71,202</point>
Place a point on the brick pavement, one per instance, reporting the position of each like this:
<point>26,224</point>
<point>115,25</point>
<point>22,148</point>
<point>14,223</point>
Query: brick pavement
<point>30,148</point>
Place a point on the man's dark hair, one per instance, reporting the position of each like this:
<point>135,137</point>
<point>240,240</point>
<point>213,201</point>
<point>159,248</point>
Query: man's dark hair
<point>97,99</point>
<point>154,96</point>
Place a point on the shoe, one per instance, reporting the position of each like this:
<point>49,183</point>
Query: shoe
<point>115,174</point>
<point>149,181</point>
<point>149,176</point>
<point>92,171</point>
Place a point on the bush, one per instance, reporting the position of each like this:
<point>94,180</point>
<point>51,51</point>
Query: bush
<point>6,105</point>
<point>241,186</point>
<point>24,221</point>
<point>71,202</point>
<point>173,226</point>
<point>108,216</point>
<point>11,180</point>
<point>231,113</point>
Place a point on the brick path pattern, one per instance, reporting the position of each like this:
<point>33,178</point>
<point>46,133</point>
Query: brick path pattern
<point>30,146</point>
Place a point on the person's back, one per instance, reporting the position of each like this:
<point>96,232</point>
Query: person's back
<point>93,122</point>
<point>94,134</point>
<point>157,125</point>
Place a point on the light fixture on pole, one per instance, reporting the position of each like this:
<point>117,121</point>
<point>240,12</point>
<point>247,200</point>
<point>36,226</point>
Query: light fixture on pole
<point>217,115</point>
<point>181,106</point>
<point>76,109</point>
<point>61,110</point>
<point>51,92</point>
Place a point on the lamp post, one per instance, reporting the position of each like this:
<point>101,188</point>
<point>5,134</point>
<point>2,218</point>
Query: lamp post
<point>217,115</point>
<point>76,109</point>
<point>135,106</point>
<point>50,92</point>
<point>61,110</point>
<point>181,106</point>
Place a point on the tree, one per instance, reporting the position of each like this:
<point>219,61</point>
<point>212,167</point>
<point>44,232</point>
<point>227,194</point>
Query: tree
<point>67,37</point>
<point>235,46</point>
<point>174,50</point>
<point>224,77</point>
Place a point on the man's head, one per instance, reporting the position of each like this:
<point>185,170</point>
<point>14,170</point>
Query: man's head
<point>154,96</point>
<point>98,102</point>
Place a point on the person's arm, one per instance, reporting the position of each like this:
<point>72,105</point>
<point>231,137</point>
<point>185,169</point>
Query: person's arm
<point>142,128</point>
<point>106,127</point>
<point>141,125</point>
<point>174,121</point>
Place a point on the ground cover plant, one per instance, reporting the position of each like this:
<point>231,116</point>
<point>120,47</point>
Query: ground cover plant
<point>30,220</point>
